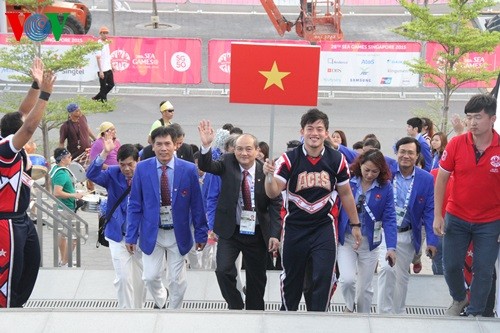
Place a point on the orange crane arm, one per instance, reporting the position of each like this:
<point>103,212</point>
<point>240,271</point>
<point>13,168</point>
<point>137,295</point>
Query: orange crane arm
<point>279,21</point>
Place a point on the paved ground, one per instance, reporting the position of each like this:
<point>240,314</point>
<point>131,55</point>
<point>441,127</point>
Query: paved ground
<point>94,258</point>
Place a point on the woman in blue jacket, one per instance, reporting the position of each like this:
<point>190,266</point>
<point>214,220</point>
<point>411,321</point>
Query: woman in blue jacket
<point>372,190</point>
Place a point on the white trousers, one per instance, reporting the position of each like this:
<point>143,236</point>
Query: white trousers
<point>128,276</point>
<point>393,281</point>
<point>361,262</point>
<point>153,269</point>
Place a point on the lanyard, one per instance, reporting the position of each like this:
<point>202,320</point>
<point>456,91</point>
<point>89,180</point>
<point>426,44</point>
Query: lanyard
<point>365,205</point>
<point>408,194</point>
<point>369,212</point>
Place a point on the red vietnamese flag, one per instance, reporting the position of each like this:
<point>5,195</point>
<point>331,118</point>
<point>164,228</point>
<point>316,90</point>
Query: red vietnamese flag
<point>274,74</point>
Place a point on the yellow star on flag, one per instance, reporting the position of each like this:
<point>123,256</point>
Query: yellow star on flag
<point>274,76</point>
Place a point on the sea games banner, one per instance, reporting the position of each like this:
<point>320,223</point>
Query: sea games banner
<point>488,61</point>
<point>156,60</point>
<point>134,60</point>
<point>367,64</point>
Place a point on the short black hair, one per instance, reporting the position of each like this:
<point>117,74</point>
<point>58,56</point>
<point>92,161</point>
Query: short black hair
<point>372,143</point>
<point>139,146</point>
<point>164,131</point>
<point>59,153</point>
<point>358,145</point>
<point>127,150</point>
<point>235,130</point>
<point>407,139</point>
<point>480,102</point>
<point>292,144</point>
<point>313,115</point>
<point>228,126</point>
<point>11,123</point>
<point>415,122</point>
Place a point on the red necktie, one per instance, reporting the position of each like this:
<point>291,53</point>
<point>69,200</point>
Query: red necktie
<point>245,192</point>
<point>165,189</point>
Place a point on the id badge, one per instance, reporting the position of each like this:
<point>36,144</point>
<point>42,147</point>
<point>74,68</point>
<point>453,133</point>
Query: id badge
<point>166,215</point>
<point>400,215</point>
<point>377,232</point>
<point>247,222</point>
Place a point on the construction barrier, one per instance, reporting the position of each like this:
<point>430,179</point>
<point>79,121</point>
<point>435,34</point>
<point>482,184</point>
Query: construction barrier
<point>179,61</point>
<point>294,2</point>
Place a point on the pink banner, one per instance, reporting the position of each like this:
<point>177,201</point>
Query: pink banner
<point>228,2</point>
<point>370,46</point>
<point>160,1</point>
<point>296,3</point>
<point>219,57</point>
<point>385,2</point>
<point>156,60</point>
<point>490,61</point>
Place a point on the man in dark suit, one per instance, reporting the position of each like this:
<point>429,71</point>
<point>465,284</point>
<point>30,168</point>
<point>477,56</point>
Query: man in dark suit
<point>246,220</point>
<point>165,200</point>
<point>182,150</point>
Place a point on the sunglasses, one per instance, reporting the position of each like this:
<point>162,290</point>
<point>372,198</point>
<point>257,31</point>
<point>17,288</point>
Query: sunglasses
<point>169,111</point>
<point>360,203</point>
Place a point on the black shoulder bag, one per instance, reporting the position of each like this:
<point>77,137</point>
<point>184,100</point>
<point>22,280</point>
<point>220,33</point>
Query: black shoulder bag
<point>103,220</point>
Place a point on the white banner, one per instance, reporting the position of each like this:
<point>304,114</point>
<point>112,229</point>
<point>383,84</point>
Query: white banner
<point>367,64</point>
<point>82,74</point>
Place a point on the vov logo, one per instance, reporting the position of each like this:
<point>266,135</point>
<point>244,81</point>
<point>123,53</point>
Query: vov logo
<point>37,26</point>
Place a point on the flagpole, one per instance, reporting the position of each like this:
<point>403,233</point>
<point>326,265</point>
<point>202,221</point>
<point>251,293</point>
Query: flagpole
<point>271,133</point>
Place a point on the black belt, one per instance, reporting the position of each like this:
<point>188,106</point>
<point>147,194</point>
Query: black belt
<point>166,227</point>
<point>12,216</point>
<point>404,229</point>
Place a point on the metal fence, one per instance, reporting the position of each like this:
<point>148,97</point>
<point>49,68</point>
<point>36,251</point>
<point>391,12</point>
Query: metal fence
<point>53,214</point>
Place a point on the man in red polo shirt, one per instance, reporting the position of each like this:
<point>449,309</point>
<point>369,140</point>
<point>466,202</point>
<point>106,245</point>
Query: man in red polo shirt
<point>473,211</point>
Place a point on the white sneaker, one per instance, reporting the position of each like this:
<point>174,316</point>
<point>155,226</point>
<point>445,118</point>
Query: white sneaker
<point>456,307</point>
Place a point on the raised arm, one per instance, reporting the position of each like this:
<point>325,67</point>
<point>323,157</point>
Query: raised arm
<point>207,133</point>
<point>30,100</point>
<point>24,134</point>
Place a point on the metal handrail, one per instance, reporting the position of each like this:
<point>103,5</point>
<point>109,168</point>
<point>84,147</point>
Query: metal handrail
<point>63,221</point>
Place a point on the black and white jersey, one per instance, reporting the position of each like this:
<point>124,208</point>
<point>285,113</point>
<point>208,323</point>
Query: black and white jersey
<point>14,180</point>
<point>311,184</point>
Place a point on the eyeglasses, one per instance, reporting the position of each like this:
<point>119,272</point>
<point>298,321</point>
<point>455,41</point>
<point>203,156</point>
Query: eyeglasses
<point>361,202</point>
<point>410,153</point>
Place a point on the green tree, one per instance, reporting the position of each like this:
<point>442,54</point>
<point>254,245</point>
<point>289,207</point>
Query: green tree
<point>18,56</point>
<point>458,37</point>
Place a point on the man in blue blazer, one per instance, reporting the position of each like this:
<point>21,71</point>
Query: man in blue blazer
<point>117,179</point>
<point>160,217</point>
<point>414,202</point>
